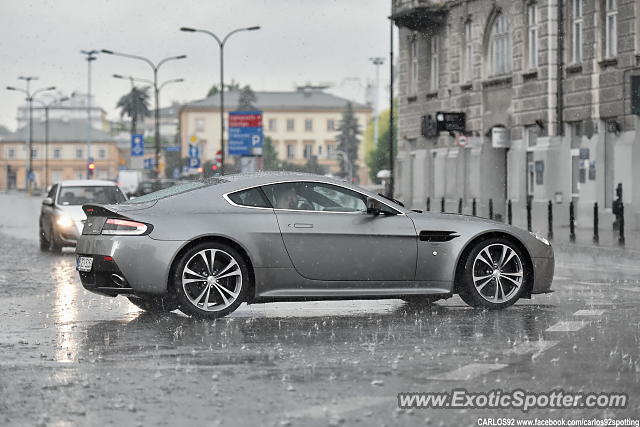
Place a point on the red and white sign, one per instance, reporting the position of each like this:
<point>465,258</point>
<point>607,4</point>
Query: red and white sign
<point>461,140</point>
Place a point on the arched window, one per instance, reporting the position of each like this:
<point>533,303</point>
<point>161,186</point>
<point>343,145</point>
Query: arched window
<point>499,54</point>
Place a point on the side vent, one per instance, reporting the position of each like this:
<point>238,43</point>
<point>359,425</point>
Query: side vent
<point>437,236</point>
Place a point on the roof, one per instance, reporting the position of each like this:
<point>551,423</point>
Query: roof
<point>86,183</point>
<point>60,131</point>
<point>293,100</point>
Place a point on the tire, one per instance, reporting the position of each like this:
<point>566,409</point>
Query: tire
<point>44,244</point>
<point>211,292</point>
<point>154,304</point>
<point>494,275</point>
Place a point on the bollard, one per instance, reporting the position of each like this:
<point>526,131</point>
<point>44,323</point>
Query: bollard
<point>550,220</point>
<point>428,204</point>
<point>509,212</point>
<point>572,223</point>
<point>442,205</point>
<point>529,213</point>
<point>596,232</point>
<point>474,207</point>
<point>621,224</point>
<point>460,206</point>
<point>490,208</point>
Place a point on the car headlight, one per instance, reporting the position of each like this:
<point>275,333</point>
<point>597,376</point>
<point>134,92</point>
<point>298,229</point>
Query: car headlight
<point>64,220</point>
<point>540,238</point>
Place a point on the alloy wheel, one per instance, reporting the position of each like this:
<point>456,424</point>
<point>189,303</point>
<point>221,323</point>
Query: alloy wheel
<point>498,273</point>
<point>212,280</point>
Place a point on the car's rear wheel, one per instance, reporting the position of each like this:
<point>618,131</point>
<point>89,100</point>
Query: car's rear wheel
<point>494,274</point>
<point>155,304</point>
<point>211,280</point>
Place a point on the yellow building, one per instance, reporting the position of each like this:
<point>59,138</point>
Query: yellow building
<point>64,157</point>
<point>301,124</point>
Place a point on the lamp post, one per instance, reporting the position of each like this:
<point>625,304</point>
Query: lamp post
<point>91,56</point>
<point>46,107</point>
<point>156,89</point>
<point>221,43</point>
<point>30,96</point>
<point>377,61</point>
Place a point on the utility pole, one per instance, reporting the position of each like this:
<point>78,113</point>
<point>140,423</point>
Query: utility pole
<point>391,181</point>
<point>91,56</point>
<point>377,61</point>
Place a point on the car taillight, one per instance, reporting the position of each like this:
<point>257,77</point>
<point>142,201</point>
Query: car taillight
<point>124,227</point>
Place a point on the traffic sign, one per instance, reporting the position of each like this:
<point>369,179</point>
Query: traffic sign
<point>194,162</point>
<point>149,163</point>
<point>461,140</point>
<point>245,133</point>
<point>137,144</point>
<point>172,148</point>
<point>194,151</point>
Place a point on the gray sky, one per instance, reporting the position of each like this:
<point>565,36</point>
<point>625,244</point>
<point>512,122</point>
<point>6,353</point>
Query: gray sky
<point>300,41</point>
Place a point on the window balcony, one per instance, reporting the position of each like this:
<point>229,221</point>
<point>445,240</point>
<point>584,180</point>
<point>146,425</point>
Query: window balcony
<point>418,14</point>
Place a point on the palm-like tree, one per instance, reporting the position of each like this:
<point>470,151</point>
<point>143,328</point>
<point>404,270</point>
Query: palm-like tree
<point>135,105</point>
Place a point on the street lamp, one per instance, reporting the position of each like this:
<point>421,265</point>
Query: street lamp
<point>221,43</point>
<point>377,61</point>
<point>91,56</point>
<point>30,96</point>
<point>46,107</point>
<point>156,89</point>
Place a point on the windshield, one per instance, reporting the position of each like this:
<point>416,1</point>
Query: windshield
<point>102,195</point>
<point>176,189</point>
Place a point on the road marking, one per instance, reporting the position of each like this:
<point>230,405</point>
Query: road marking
<point>468,372</point>
<point>589,312</point>
<point>345,405</point>
<point>627,288</point>
<point>535,347</point>
<point>567,326</point>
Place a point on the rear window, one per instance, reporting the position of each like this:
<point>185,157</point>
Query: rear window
<point>101,195</point>
<point>252,197</point>
<point>176,189</point>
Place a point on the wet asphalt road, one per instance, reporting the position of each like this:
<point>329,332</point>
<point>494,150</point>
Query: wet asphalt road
<point>68,357</point>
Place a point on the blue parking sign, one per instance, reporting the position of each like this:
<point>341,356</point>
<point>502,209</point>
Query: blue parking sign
<point>137,144</point>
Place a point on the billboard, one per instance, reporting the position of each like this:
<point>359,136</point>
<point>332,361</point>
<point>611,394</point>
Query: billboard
<point>245,133</point>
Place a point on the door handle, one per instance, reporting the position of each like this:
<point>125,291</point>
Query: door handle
<point>301,225</point>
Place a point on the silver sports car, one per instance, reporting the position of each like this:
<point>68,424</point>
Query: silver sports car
<point>205,247</point>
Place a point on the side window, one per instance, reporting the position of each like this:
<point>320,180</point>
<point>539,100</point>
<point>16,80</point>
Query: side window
<point>52,192</point>
<point>252,197</point>
<point>312,196</point>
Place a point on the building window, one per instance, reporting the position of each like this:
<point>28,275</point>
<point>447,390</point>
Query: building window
<point>199,125</point>
<point>57,153</point>
<point>413,61</point>
<point>319,150</point>
<point>34,153</point>
<point>102,153</point>
<point>576,31</point>
<point>290,125</point>
<point>79,153</point>
<point>291,151</point>
<point>273,125</point>
<point>435,64</point>
<point>532,135</point>
<point>331,148</point>
<point>532,19</point>
<point>331,125</point>
<point>11,153</point>
<point>308,125</point>
<point>308,150</point>
<point>611,29</point>
<point>500,47</point>
<point>467,53</point>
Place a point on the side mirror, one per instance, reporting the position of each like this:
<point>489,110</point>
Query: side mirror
<point>373,206</point>
<point>47,201</point>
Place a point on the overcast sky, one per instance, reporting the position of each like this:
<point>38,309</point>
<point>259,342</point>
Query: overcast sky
<point>300,41</point>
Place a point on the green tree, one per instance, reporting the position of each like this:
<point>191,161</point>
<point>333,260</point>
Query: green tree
<point>135,105</point>
<point>215,89</point>
<point>348,140</point>
<point>247,99</point>
<point>270,156</point>
<point>4,130</point>
<point>378,158</point>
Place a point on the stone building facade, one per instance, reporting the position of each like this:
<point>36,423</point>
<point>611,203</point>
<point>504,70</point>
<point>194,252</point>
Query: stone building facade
<point>545,88</point>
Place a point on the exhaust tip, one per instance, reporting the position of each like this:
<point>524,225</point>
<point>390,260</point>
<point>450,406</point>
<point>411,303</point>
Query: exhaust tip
<point>118,280</point>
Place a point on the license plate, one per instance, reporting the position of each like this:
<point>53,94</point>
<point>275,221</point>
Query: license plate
<point>84,263</point>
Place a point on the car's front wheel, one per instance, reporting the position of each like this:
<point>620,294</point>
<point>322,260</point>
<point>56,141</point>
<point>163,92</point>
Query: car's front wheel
<point>44,243</point>
<point>494,274</point>
<point>211,280</point>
